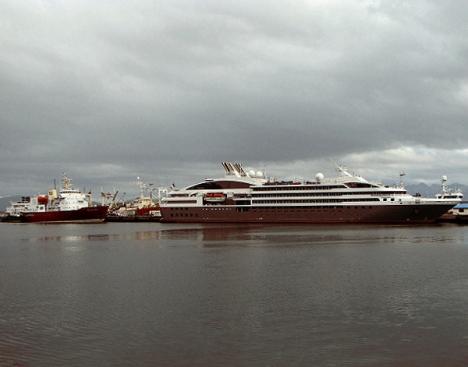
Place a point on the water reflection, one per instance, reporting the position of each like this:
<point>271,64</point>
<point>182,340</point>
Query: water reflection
<point>248,234</point>
<point>145,235</point>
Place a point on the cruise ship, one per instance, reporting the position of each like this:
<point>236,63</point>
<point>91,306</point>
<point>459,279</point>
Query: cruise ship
<point>250,197</point>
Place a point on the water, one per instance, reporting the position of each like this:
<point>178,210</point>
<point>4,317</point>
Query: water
<point>149,294</point>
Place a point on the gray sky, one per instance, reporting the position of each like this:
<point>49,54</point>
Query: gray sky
<point>166,90</point>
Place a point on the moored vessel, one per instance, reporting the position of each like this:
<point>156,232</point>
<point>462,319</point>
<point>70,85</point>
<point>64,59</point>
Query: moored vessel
<point>251,197</point>
<point>448,193</point>
<point>457,214</point>
<point>68,205</point>
<point>35,203</point>
<point>141,209</point>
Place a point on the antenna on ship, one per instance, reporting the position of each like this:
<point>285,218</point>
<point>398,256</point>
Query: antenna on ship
<point>150,190</point>
<point>142,186</point>
<point>342,168</point>
<point>444,187</point>
<point>401,180</point>
<point>66,182</point>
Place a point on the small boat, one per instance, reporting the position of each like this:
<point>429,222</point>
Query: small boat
<point>458,214</point>
<point>26,204</point>
<point>12,218</point>
<point>215,197</point>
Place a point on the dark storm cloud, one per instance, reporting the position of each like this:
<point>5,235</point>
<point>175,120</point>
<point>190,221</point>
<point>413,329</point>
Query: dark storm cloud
<point>166,89</point>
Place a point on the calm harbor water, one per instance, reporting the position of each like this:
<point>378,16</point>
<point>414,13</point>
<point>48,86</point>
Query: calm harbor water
<point>152,294</point>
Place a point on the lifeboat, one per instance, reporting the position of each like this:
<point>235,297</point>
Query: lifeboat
<point>42,199</point>
<point>215,197</point>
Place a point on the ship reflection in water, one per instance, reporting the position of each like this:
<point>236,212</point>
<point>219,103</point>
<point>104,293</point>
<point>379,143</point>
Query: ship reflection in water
<point>145,235</point>
<point>259,234</point>
<point>208,233</point>
<point>154,294</point>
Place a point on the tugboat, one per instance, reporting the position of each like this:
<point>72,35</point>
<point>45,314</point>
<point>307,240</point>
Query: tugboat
<point>26,204</point>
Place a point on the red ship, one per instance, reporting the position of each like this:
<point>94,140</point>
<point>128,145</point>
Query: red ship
<point>69,205</point>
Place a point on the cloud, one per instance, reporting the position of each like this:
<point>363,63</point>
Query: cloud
<point>166,90</point>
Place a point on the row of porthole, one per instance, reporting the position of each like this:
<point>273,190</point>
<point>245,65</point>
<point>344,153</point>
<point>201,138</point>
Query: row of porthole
<point>185,215</point>
<point>309,201</point>
<point>216,208</point>
<point>308,209</point>
<point>291,209</point>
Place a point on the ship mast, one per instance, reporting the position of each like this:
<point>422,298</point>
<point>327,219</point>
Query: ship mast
<point>66,182</point>
<point>401,185</point>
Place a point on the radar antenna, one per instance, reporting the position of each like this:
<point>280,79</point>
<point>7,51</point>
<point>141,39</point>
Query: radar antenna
<point>343,169</point>
<point>402,174</point>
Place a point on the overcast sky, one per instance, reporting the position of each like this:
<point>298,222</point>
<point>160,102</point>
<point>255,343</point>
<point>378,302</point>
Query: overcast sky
<point>165,90</point>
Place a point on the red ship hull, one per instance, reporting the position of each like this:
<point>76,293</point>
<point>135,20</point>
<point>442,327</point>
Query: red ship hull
<point>90,214</point>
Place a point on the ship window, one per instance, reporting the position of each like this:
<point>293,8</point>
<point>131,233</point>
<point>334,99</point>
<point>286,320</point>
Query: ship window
<point>205,186</point>
<point>216,185</point>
